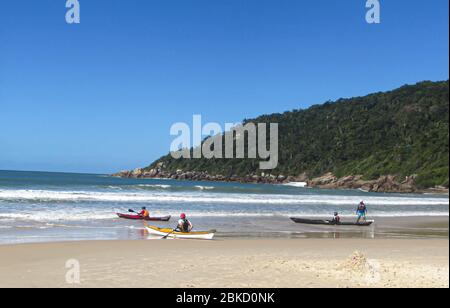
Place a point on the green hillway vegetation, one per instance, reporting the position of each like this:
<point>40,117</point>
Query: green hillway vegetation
<point>402,132</point>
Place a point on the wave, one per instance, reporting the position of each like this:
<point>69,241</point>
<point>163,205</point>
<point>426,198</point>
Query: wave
<point>297,184</point>
<point>154,186</point>
<point>205,187</point>
<point>139,187</point>
<point>50,217</point>
<point>214,198</point>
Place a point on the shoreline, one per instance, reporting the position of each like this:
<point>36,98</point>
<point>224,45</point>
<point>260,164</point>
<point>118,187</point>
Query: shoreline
<point>237,263</point>
<point>265,228</point>
<point>385,184</point>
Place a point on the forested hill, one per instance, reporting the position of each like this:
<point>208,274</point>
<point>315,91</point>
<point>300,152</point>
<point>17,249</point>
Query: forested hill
<point>402,133</point>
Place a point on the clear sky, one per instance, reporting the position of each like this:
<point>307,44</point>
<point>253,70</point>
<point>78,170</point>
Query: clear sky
<point>101,96</point>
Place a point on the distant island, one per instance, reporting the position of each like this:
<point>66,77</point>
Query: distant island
<point>396,141</point>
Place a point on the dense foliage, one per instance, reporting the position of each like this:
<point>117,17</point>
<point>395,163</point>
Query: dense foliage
<point>401,132</point>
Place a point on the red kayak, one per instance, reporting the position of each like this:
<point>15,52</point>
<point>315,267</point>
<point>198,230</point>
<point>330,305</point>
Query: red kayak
<point>138,217</point>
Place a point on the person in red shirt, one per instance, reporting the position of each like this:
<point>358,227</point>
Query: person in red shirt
<point>361,211</point>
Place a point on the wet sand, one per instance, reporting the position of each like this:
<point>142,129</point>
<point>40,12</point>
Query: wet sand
<point>383,228</point>
<point>274,227</point>
<point>231,263</point>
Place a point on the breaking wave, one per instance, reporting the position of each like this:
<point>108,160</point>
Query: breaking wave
<point>215,198</point>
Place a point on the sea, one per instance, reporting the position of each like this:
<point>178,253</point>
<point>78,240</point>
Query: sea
<point>48,207</point>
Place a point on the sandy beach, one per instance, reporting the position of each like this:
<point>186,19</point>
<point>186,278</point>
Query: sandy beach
<point>231,263</point>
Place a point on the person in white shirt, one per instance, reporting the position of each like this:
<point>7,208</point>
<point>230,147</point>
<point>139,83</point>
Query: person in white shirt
<point>184,225</point>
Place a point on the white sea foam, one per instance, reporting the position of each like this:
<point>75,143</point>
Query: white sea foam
<point>115,187</point>
<point>155,186</point>
<point>205,187</point>
<point>45,205</point>
<point>215,198</point>
<point>77,216</point>
<point>58,215</point>
<point>297,184</point>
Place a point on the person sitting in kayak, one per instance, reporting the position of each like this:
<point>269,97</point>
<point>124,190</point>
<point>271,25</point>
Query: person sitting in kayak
<point>336,219</point>
<point>361,211</point>
<point>144,213</point>
<point>184,225</point>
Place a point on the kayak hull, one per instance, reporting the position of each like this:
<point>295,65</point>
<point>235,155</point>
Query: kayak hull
<point>330,223</point>
<point>137,217</point>
<point>203,235</point>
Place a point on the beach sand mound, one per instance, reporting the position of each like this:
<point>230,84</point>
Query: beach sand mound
<point>356,262</point>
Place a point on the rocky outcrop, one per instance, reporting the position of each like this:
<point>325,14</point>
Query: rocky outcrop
<point>325,180</point>
<point>160,173</point>
<point>387,183</point>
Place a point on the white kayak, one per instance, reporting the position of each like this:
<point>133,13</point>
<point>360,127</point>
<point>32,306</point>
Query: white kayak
<point>199,235</point>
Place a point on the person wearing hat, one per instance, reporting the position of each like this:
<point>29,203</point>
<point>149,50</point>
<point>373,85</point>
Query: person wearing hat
<point>184,225</point>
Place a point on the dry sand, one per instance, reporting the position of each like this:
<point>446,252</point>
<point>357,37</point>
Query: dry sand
<point>231,263</point>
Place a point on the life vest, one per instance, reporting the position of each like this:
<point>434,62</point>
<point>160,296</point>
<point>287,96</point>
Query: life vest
<point>185,225</point>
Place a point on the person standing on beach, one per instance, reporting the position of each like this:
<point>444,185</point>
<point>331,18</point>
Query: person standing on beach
<point>361,211</point>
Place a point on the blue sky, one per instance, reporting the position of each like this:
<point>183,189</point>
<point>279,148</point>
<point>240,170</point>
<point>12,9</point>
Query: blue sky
<point>101,96</point>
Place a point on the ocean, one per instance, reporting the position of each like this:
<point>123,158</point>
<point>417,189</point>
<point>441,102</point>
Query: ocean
<point>45,207</point>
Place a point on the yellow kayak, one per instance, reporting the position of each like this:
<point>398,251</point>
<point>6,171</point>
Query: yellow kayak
<point>199,235</point>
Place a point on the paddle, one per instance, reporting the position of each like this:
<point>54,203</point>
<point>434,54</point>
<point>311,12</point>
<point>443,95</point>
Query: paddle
<point>167,235</point>
<point>132,211</point>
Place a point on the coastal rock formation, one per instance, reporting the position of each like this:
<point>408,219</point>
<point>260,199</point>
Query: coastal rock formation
<point>325,180</point>
<point>386,183</point>
<point>160,173</point>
